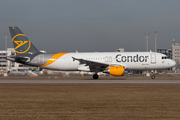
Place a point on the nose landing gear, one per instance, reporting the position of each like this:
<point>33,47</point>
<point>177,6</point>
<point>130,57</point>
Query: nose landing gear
<point>152,75</point>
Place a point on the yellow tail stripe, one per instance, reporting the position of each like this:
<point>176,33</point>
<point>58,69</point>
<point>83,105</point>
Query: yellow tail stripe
<point>53,59</point>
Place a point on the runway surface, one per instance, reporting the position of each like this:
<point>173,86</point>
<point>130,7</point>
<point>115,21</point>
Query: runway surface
<point>86,81</point>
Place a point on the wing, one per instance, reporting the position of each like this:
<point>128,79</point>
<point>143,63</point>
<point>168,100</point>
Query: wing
<point>89,62</point>
<point>93,65</point>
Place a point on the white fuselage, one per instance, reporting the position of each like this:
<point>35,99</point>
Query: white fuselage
<point>130,60</point>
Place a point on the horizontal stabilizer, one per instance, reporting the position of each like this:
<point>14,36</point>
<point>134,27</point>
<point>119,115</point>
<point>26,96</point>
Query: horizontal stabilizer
<point>15,58</point>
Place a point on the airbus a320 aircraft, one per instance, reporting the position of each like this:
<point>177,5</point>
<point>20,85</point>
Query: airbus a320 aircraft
<point>113,63</point>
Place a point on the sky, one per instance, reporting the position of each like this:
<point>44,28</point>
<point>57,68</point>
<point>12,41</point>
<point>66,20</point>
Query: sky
<point>92,25</point>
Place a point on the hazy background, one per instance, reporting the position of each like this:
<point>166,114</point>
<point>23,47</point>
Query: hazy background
<point>92,25</point>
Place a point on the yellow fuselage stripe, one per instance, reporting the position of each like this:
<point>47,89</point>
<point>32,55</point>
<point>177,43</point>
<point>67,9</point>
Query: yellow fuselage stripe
<point>53,59</point>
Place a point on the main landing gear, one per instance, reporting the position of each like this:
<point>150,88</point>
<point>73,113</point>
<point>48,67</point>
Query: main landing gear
<point>152,76</point>
<point>95,76</point>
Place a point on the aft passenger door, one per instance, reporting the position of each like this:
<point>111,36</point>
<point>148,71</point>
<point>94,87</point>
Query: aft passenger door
<point>41,59</point>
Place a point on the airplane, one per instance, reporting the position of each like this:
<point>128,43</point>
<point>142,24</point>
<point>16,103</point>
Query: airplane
<point>113,63</point>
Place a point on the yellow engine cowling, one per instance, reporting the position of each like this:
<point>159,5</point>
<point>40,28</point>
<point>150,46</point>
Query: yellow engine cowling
<point>116,70</point>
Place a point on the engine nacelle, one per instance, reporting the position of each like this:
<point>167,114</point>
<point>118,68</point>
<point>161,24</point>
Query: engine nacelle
<point>115,70</point>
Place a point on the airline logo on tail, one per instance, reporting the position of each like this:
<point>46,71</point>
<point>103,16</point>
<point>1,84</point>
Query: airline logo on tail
<point>22,43</point>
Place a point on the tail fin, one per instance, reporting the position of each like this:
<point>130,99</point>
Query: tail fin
<point>22,45</point>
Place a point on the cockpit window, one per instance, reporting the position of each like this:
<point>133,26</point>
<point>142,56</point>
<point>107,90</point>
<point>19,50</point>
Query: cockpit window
<point>165,57</point>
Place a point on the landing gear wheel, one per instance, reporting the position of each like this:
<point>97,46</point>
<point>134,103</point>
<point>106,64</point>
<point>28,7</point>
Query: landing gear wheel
<point>152,77</point>
<point>95,76</point>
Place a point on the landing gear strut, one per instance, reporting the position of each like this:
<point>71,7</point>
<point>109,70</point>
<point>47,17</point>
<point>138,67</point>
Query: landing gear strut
<point>95,76</point>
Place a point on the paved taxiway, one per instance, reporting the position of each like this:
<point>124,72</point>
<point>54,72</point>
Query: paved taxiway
<point>86,81</point>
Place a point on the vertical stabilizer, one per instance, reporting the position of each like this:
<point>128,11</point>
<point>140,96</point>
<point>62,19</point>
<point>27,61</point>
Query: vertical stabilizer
<point>22,45</point>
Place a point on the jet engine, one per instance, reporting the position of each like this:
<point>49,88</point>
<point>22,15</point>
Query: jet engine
<point>115,70</point>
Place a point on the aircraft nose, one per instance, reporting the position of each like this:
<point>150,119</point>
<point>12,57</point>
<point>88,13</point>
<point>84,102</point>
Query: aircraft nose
<point>173,63</point>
